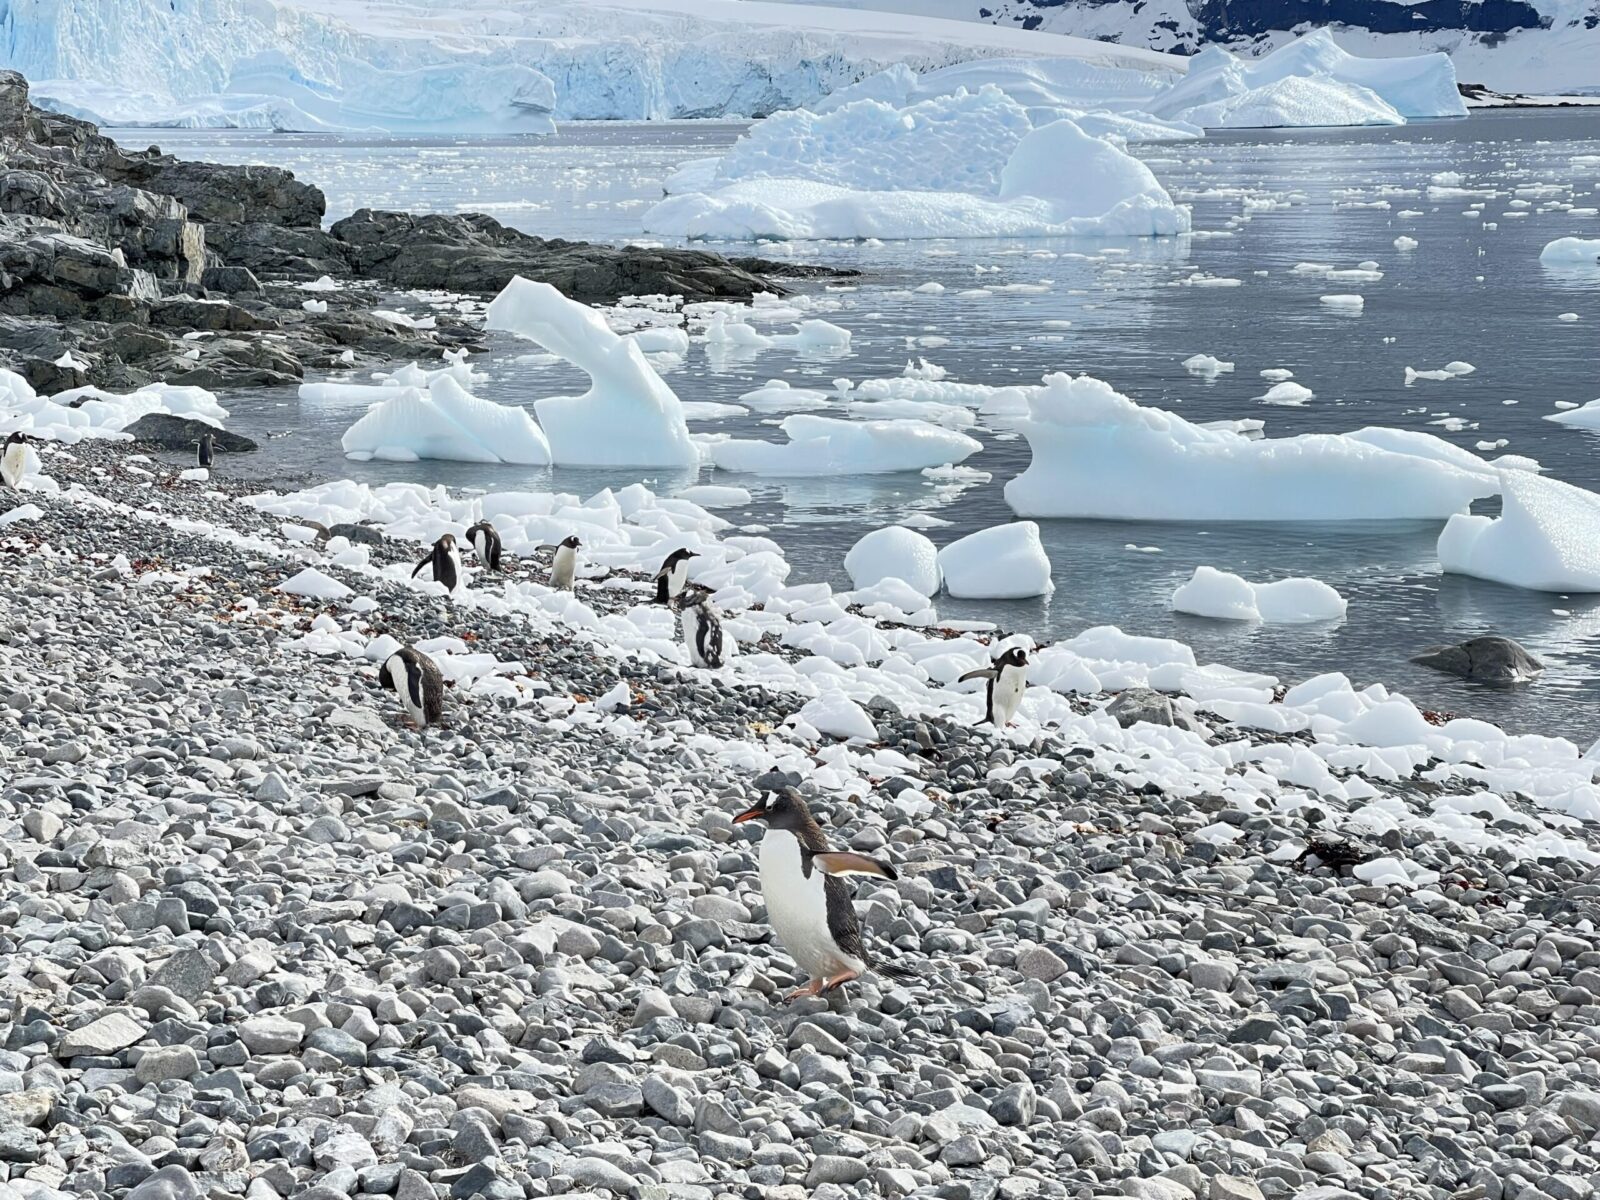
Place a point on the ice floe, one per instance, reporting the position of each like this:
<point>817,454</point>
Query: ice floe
<point>1546,538</point>
<point>1229,597</point>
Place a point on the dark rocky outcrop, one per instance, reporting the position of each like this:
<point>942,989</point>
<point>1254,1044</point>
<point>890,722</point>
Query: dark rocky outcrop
<point>1489,659</point>
<point>475,253</point>
<point>179,433</point>
<point>116,255</point>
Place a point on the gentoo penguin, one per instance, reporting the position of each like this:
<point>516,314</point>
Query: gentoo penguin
<point>1008,679</point>
<point>416,678</point>
<point>702,628</point>
<point>485,540</point>
<point>206,450</point>
<point>807,901</point>
<point>14,460</point>
<point>564,566</point>
<point>672,577</point>
<point>446,562</point>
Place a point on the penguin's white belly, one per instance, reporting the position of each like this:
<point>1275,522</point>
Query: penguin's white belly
<point>1008,691</point>
<point>455,563</point>
<point>562,568</point>
<point>14,464</point>
<point>396,667</point>
<point>797,908</point>
<point>676,578</point>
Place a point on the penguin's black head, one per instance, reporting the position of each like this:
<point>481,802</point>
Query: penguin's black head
<point>1013,657</point>
<point>678,556</point>
<point>17,439</point>
<point>384,681</point>
<point>571,543</point>
<point>447,542</point>
<point>784,809</point>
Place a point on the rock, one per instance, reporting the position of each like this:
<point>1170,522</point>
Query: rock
<point>188,973</point>
<point>167,1062</point>
<point>230,280</point>
<point>1490,659</point>
<point>1136,704</point>
<point>270,1034</point>
<point>1041,963</point>
<point>472,252</point>
<point>180,433</point>
<point>1231,1187</point>
<point>169,1183</point>
<point>106,1035</point>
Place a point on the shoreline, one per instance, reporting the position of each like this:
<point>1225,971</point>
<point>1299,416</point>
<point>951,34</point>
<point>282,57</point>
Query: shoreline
<point>526,953</point>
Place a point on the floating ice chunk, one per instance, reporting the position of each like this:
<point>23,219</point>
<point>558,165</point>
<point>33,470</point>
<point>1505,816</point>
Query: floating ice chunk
<point>1586,417</point>
<point>1546,538</point>
<point>1288,394</point>
<point>1098,454</point>
<point>1346,302</point>
<point>445,422</point>
<point>661,339</point>
<point>778,396</point>
<point>628,417</point>
<point>1571,252</point>
<point>1567,316</point>
<point>1405,243</point>
<point>969,164</point>
<point>1277,374</point>
<point>894,553</point>
<point>828,446</point>
<point>1003,562</point>
<point>708,495</point>
<point>1225,596</point>
<point>1206,366</point>
<point>834,714</point>
<point>314,585</point>
<point>710,410</point>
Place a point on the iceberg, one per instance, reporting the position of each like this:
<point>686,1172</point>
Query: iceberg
<point>629,417</point>
<point>445,421</point>
<point>1311,81</point>
<point>966,165</point>
<point>1546,538</point>
<point>894,552</point>
<point>829,446</point>
<point>1571,252</point>
<point>1228,597</point>
<point>91,412</point>
<point>1098,454</point>
<point>1004,562</point>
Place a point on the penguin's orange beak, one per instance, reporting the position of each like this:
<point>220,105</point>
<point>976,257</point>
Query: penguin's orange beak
<point>751,814</point>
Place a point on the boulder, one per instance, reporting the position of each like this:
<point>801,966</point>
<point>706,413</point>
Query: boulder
<point>1489,659</point>
<point>230,280</point>
<point>179,433</point>
<point>1136,704</point>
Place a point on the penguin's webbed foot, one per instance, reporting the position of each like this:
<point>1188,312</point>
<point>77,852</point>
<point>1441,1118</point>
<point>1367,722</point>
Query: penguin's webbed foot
<point>838,981</point>
<point>814,988</point>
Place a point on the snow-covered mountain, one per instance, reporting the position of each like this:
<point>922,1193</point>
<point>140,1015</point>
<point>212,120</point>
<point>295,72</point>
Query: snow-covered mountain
<point>1530,46</point>
<point>410,65</point>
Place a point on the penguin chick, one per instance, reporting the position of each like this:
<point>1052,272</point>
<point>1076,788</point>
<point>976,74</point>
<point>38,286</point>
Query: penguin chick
<point>446,562</point>
<point>807,900</point>
<point>673,576</point>
<point>415,676</point>
<point>1008,679</point>
<point>14,460</point>
<point>702,629</point>
<point>564,566</point>
<point>485,542</point>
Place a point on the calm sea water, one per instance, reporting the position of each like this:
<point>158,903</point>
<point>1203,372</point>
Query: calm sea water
<point>1472,289</point>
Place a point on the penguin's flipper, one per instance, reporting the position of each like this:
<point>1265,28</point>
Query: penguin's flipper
<point>845,862</point>
<point>902,974</point>
<point>980,673</point>
<point>421,564</point>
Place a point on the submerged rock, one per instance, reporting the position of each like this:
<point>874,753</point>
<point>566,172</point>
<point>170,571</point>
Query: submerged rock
<point>1488,659</point>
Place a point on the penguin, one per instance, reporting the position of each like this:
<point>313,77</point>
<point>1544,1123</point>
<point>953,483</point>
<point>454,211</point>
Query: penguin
<point>206,451</point>
<point>702,629</point>
<point>446,561</point>
<point>416,678</point>
<point>1008,679</point>
<point>485,540</point>
<point>807,901</point>
<point>564,566</point>
<point>672,577</point>
<point>14,460</point>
